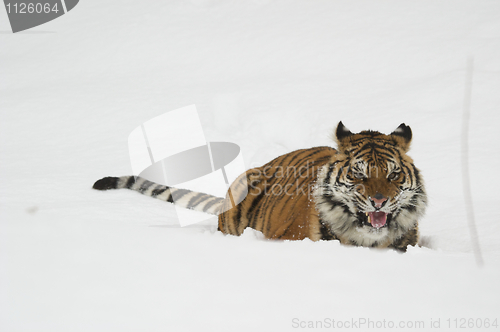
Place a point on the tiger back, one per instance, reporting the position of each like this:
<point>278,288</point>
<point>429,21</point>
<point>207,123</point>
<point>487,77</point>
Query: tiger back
<point>279,202</point>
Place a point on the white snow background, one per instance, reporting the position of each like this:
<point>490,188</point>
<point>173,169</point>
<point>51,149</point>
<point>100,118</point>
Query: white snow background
<point>271,76</point>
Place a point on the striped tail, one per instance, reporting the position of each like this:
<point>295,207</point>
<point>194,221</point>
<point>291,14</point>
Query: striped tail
<point>181,197</point>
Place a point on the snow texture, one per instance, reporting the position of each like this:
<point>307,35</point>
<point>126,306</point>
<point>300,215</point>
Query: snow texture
<point>271,76</point>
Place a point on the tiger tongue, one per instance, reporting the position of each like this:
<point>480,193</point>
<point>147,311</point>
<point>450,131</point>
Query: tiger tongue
<point>378,219</point>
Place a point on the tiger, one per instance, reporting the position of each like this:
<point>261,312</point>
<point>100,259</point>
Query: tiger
<point>367,192</point>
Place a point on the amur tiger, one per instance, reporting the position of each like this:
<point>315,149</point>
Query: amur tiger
<point>367,192</point>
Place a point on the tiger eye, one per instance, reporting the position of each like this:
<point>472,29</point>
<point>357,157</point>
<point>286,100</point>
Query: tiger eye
<point>393,176</point>
<point>359,175</point>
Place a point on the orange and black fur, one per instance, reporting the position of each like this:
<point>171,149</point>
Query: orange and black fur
<point>368,193</point>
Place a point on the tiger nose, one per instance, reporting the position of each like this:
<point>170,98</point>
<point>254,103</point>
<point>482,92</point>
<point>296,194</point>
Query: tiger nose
<point>378,200</point>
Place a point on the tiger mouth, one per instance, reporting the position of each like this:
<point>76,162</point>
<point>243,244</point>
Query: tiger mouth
<point>376,219</point>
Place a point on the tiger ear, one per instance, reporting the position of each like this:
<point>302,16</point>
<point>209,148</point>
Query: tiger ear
<point>342,135</point>
<point>342,132</point>
<point>403,136</point>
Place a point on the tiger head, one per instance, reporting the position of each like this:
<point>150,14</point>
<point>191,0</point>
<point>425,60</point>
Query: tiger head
<point>371,193</point>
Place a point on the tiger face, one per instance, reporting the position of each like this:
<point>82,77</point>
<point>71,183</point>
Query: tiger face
<point>371,193</point>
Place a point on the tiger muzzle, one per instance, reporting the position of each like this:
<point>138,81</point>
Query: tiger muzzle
<point>377,218</point>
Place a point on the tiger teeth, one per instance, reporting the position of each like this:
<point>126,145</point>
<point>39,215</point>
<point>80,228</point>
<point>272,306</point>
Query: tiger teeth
<point>368,219</point>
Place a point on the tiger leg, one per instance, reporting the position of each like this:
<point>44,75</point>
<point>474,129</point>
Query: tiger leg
<point>237,205</point>
<point>410,238</point>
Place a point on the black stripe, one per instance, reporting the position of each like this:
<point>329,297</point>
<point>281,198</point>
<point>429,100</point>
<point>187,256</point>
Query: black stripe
<point>145,186</point>
<point>178,194</point>
<point>170,199</point>
<point>333,204</point>
<point>417,175</point>
<point>362,154</point>
<point>410,175</point>
<point>261,210</point>
<point>158,191</point>
<point>341,170</point>
<point>372,138</point>
<point>329,174</point>
<point>410,208</point>
<point>130,182</point>
<point>210,203</point>
<point>255,203</point>
<point>237,222</point>
<point>325,233</point>
<point>368,146</point>
<point>294,157</point>
<point>195,200</point>
<point>386,155</point>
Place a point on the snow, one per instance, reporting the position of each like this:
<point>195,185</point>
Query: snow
<point>272,77</point>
